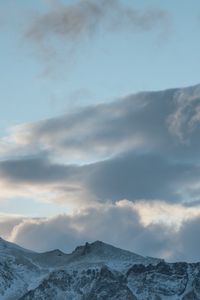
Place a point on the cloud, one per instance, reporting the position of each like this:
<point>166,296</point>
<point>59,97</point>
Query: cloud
<point>124,149</point>
<point>163,122</point>
<point>33,169</point>
<point>185,119</point>
<point>143,146</point>
<point>37,178</point>
<point>130,175</point>
<point>188,245</point>
<point>119,224</point>
<point>132,122</point>
<point>139,176</point>
<point>8,223</point>
<point>80,21</point>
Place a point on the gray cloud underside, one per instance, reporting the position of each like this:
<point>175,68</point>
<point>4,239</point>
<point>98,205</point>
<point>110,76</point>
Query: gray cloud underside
<point>146,146</point>
<point>34,170</point>
<point>119,225</point>
<point>129,176</point>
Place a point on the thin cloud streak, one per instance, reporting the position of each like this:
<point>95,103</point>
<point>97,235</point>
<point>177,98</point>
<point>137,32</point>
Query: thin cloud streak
<point>74,24</point>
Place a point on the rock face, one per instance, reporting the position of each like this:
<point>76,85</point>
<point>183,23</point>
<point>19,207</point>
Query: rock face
<point>93,272</point>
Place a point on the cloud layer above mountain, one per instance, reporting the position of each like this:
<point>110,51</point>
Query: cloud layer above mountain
<point>143,148</point>
<point>123,224</point>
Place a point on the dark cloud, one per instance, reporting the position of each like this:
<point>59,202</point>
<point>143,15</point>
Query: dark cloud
<point>189,246</point>
<point>130,176</point>
<point>34,170</point>
<point>146,146</point>
<point>140,176</point>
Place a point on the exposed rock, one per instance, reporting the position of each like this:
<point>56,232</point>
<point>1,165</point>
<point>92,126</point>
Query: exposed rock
<point>95,271</point>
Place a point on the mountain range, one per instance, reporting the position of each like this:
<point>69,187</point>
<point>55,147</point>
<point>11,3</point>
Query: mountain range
<point>93,271</point>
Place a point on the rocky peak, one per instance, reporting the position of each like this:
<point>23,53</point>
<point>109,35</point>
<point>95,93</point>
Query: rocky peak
<point>95,247</point>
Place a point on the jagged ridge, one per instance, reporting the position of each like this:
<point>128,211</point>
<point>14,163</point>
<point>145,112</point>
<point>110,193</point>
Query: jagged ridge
<point>93,271</point>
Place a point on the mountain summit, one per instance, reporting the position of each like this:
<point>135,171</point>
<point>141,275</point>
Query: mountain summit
<point>93,271</point>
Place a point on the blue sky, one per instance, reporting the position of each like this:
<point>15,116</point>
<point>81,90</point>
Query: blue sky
<point>77,138</point>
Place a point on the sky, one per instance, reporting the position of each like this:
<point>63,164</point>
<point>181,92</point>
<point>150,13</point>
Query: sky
<point>100,111</point>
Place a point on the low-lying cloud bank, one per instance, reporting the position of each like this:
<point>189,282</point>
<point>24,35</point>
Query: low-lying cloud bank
<point>123,224</point>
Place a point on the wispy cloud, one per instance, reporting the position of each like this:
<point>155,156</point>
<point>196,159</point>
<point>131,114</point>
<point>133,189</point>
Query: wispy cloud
<point>76,23</point>
<point>186,117</point>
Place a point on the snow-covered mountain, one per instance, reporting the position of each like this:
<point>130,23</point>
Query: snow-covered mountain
<point>93,271</point>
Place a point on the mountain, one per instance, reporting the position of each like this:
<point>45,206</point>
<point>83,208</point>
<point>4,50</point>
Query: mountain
<point>94,271</point>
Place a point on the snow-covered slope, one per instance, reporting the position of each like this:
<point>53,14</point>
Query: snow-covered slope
<point>93,271</point>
